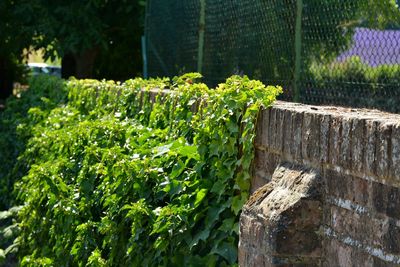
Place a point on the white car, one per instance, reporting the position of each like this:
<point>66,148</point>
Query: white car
<point>43,68</point>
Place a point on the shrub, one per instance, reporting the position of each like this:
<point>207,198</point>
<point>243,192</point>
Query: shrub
<point>125,175</point>
<point>15,128</point>
<point>356,84</point>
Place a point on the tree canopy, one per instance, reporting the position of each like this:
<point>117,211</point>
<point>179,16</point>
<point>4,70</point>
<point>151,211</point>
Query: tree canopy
<point>101,38</point>
<point>95,38</point>
<point>80,32</point>
<point>14,37</point>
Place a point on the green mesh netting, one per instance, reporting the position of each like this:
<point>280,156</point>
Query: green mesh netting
<point>346,52</point>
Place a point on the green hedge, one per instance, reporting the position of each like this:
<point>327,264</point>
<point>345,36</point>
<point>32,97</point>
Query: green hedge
<point>15,131</point>
<point>15,123</point>
<point>354,83</point>
<point>118,178</point>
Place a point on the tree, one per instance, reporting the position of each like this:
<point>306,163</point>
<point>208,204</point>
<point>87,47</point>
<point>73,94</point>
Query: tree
<point>384,14</point>
<point>14,37</point>
<point>327,27</point>
<point>83,31</point>
<point>94,38</point>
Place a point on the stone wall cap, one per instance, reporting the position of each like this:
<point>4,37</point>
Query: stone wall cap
<point>343,112</point>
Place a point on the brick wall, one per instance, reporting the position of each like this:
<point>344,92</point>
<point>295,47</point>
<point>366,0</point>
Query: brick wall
<point>326,185</point>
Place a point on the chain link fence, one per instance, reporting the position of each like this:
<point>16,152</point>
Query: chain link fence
<point>321,51</point>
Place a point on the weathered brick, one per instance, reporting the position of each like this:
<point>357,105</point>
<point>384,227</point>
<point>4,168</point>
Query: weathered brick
<point>294,262</point>
<point>357,144</point>
<point>272,161</point>
<point>297,242</point>
<point>257,260</point>
<point>345,143</point>
<point>324,138</point>
<point>287,132</point>
<point>306,136</point>
<point>383,150</point>
<point>264,165</point>
<point>252,233</point>
<point>260,173</point>
<point>306,216</point>
<point>377,262</point>
<point>362,228</point>
<point>386,199</point>
<point>344,255</point>
<point>295,149</point>
<point>361,150</point>
<point>315,136</point>
<point>347,187</point>
<point>334,140</point>
<point>245,224</point>
<point>338,185</point>
<point>370,147</point>
<point>393,203</point>
<point>272,129</point>
<point>330,254</point>
<point>263,128</point>
<point>242,252</point>
<point>257,182</point>
<point>395,168</point>
<point>279,138</point>
<point>311,137</point>
<point>258,142</point>
<point>339,254</point>
<point>361,258</point>
<point>284,223</point>
<point>379,197</point>
<point>392,238</point>
<point>361,191</point>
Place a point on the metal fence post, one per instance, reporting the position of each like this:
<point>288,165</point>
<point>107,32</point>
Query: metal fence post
<point>144,57</point>
<point>202,24</point>
<point>144,40</point>
<point>298,44</point>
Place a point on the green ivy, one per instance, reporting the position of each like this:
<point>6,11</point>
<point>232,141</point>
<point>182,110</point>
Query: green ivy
<point>45,93</point>
<point>132,174</point>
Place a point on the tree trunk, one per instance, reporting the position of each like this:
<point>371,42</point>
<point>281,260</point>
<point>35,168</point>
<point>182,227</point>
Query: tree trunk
<point>68,66</point>
<point>85,63</point>
<point>6,78</point>
<point>79,65</point>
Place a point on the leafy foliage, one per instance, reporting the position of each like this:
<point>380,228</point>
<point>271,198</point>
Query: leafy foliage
<point>383,14</point>
<point>358,84</point>
<point>15,128</point>
<point>14,37</point>
<point>129,175</point>
<point>103,31</point>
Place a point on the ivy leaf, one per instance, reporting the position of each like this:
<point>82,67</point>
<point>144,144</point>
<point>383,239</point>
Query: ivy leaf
<point>227,225</point>
<point>5,215</point>
<point>10,231</point>
<point>178,168</point>
<point>202,235</point>
<point>13,248</point>
<point>162,150</point>
<point>173,187</point>
<point>189,152</point>
<point>218,187</point>
<point>232,127</point>
<point>158,181</point>
<point>200,196</point>
<point>213,214</point>
<point>227,250</point>
<point>238,202</point>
